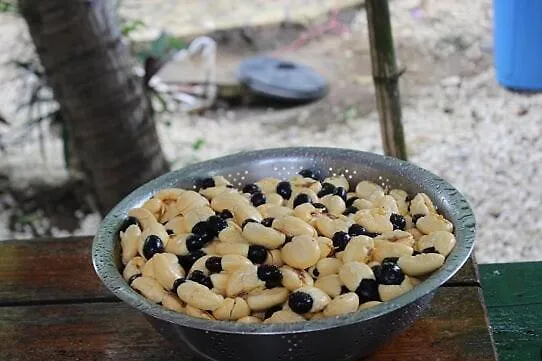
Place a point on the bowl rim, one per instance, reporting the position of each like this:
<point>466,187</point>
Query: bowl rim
<point>461,216</point>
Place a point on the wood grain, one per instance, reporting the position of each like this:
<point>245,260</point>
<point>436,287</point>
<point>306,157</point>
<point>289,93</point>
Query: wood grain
<point>513,295</point>
<point>455,329</point>
<point>60,270</point>
<point>44,270</point>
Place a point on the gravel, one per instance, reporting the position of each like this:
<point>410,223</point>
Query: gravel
<point>483,139</point>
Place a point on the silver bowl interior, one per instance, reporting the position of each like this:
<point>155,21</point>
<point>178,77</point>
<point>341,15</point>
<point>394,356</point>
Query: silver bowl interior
<point>248,167</point>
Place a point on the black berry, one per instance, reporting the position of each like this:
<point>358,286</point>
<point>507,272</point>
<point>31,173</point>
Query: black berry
<point>270,274</point>
<point>268,222</point>
<point>257,254</point>
<point>327,188</point>
<point>225,214</point>
<point>177,283</point>
<point>269,312</point>
<point>128,222</point>
<point>340,240</point>
<point>202,229</point>
<point>300,302</point>
<point>350,210</point>
<point>341,192</point>
<point>398,221</point>
<point>367,291</point>
<point>205,183</point>
<point>257,199</point>
<point>194,242</point>
<point>350,201</point>
<point>389,274</point>
<point>416,217</point>
<point>284,189</point>
<point>247,221</point>
<point>216,224</point>
<point>152,245</point>
<point>430,250</point>
<point>359,230</point>
<point>251,188</point>
<point>214,264</point>
<point>200,277</point>
<point>309,173</point>
<point>186,261</point>
<point>302,198</point>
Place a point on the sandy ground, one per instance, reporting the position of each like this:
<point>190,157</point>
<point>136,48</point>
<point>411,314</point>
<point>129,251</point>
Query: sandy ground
<point>459,123</point>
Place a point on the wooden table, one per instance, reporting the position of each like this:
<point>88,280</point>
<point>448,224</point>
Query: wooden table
<point>53,307</point>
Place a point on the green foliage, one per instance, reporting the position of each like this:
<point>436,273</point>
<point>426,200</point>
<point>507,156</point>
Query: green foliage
<point>161,48</point>
<point>198,144</point>
<point>7,7</point>
<point>130,26</point>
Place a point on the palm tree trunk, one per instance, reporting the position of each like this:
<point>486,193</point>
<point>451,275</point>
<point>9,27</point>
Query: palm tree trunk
<point>109,116</point>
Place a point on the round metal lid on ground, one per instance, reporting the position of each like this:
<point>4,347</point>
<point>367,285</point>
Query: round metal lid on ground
<point>281,79</point>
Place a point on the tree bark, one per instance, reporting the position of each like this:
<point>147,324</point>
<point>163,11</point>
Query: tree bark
<point>89,68</point>
<point>386,78</point>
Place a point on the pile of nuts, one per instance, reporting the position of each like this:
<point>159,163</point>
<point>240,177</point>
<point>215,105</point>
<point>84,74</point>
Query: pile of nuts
<point>281,251</point>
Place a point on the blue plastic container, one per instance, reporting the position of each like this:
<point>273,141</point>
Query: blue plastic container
<point>517,43</point>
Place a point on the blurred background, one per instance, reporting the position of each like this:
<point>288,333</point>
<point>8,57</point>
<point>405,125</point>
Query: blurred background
<point>459,122</point>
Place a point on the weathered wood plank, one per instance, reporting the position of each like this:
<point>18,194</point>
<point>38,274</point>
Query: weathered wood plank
<point>61,270</point>
<point>451,330</point>
<point>513,295</point>
<point>46,270</point>
<point>467,275</point>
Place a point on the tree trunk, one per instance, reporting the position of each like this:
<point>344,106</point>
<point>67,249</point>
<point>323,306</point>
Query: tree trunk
<point>109,116</point>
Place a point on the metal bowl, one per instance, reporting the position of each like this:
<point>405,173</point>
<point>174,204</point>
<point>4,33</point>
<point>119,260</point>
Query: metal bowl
<point>347,337</point>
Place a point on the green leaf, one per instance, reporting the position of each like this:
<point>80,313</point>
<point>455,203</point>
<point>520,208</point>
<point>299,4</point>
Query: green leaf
<point>130,26</point>
<point>163,45</point>
<point>198,144</point>
<point>7,7</point>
